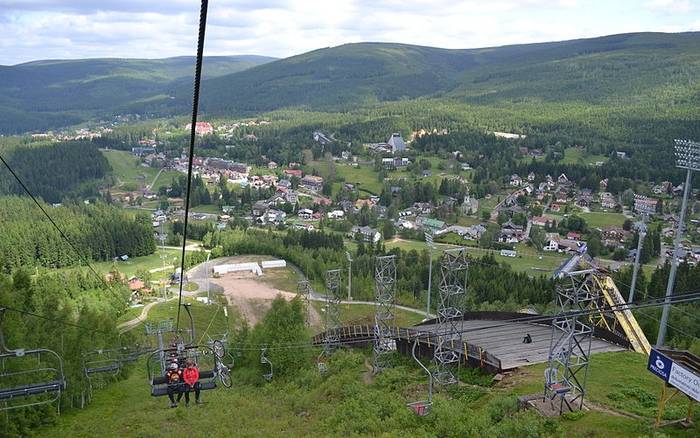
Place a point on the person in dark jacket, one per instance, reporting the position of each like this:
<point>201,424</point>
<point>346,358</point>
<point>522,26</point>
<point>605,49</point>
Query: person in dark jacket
<point>174,379</point>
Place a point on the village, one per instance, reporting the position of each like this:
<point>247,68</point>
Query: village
<point>529,215</point>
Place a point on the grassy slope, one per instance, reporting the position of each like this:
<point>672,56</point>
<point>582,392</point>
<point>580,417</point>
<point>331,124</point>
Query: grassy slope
<point>342,404</point>
<point>126,168</point>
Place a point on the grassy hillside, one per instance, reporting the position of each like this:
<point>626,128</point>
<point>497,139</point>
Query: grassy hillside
<point>348,402</point>
<point>44,94</point>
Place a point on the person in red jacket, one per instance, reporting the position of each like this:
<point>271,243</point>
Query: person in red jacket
<point>191,377</point>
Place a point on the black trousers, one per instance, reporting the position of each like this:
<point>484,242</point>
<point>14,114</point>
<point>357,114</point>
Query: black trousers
<point>187,388</point>
<point>172,389</point>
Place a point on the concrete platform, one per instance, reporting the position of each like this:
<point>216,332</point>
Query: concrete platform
<point>506,341</point>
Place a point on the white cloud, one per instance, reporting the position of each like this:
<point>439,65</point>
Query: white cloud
<point>40,29</point>
<point>669,6</point>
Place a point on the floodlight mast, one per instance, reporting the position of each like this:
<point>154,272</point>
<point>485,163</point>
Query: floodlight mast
<point>642,205</point>
<point>687,157</point>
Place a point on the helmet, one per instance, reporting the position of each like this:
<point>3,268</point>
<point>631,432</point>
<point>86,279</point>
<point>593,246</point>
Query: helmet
<point>173,366</point>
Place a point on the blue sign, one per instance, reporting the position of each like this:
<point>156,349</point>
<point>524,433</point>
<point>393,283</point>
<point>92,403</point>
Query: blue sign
<point>659,365</point>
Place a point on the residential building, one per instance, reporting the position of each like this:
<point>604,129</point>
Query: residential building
<point>306,214</point>
<point>367,234</point>
<point>311,182</point>
<point>201,128</point>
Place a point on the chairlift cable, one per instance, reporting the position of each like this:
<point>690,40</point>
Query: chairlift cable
<point>195,109</point>
<point>57,321</point>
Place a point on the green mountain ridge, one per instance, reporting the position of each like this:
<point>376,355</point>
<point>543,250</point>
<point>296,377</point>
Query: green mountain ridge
<point>641,72</point>
<point>618,68</point>
<point>53,93</point>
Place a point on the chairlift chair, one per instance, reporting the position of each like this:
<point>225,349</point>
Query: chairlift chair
<point>39,380</point>
<point>422,407</point>
<point>554,385</point>
<point>203,355</point>
<point>264,360</point>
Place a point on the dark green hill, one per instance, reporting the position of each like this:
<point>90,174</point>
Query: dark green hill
<point>44,94</point>
<point>627,68</point>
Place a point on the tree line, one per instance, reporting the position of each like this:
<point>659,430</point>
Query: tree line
<point>99,232</point>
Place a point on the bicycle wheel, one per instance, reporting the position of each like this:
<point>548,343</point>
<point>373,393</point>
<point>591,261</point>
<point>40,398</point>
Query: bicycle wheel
<point>225,376</point>
<point>219,349</point>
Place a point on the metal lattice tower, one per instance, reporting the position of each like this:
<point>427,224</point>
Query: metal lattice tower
<point>332,316</point>
<point>304,291</point>
<point>453,284</point>
<point>570,343</point>
<point>384,293</point>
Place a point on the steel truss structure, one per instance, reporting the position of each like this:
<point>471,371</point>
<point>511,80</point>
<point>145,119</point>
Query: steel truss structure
<point>332,316</point>
<point>453,283</point>
<point>384,293</point>
<point>570,343</point>
<point>304,291</point>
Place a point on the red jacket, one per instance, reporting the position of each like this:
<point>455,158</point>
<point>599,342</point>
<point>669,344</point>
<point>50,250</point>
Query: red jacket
<point>191,375</point>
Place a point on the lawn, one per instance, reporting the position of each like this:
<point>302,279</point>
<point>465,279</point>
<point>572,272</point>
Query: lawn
<point>602,220</point>
<point>619,381</point>
<point>528,260</point>
<point>577,156</point>
<point>361,314</point>
<point>126,168</point>
<point>148,262</point>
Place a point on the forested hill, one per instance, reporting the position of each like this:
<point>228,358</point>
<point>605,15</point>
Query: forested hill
<point>47,94</point>
<point>627,68</point>
<point>54,171</point>
<point>100,232</point>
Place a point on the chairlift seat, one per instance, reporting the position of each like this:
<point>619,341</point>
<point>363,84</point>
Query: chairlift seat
<point>162,380</point>
<point>559,388</point>
<point>160,390</point>
<point>420,408</point>
<point>34,389</point>
<point>111,368</point>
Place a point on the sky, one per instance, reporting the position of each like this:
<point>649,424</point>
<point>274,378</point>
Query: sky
<point>61,29</point>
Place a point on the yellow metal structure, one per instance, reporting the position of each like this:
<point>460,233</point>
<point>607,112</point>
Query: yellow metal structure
<point>624,317</point>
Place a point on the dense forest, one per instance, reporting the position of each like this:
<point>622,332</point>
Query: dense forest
<point>99,232</point>
<point>54,171</point>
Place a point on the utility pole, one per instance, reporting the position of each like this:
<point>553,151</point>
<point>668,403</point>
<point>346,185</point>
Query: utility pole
<point>206,267</point>
<point>687,157</point>
<point>429,242</point>
<point>347,254</point>
<point>642,205</point>
<point>162,236</point>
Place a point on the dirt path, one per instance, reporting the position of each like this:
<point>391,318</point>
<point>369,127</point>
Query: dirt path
<point>253,297</point>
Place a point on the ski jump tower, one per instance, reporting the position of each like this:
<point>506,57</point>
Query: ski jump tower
<point>453,284</point>
<point>570,344</point>
<point>384,293</point>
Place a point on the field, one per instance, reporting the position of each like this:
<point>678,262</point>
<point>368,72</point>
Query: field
<point>146,263</point>
<point>131,175</point>
<point>577,156</point>
<point>528,260</point>
<point>602,220</point>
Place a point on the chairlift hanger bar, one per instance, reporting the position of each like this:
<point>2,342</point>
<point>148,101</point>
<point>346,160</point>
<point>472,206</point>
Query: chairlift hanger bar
<point>195,110</point>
